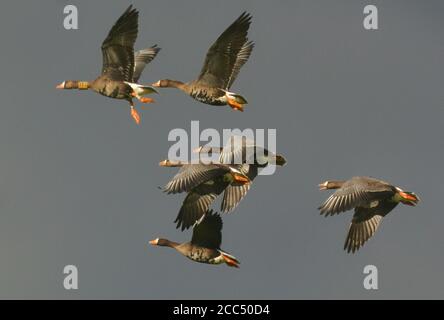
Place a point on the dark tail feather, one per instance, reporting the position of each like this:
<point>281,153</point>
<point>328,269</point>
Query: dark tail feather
<point>280,160</point>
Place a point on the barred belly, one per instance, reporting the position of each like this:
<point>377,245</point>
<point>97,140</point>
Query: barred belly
<point>204,97</point>
<point>115,91</point>
<point>204,255</point>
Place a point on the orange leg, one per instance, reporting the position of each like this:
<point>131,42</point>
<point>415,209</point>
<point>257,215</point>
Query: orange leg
<point>135,115</point>
<point>235,105</point>
<point>142,99</point>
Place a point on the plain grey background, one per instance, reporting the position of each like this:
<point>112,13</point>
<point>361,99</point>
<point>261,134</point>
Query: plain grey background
<point>79,180</point>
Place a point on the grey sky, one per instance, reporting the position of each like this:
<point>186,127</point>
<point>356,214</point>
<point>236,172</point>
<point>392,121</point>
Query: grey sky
<point>78,179</point>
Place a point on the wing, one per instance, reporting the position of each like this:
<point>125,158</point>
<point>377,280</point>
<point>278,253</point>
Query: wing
<point>355,193</point>
<point>230,51</point>
<point>142,58</point>
<point>208,150</point>
<point>234,152</point>
<point>208,233</point>
<point>241,58</point>
<point>192,175</point>
<point>197,202</point>
<point>234,193</point>
<point>364,224</point>
<point>238,149</point>
<point>118,47</point>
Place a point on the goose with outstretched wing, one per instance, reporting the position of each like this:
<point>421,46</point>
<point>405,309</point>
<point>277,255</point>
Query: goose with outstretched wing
<point>222,64</point>
<point>371,199</point>
<point>204,246</point>
<point>122,66</point>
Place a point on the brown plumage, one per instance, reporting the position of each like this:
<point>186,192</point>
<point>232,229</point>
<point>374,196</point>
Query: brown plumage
<point>372,200</point>
<point>122,67</point>
<point>203,183</point>
<point>222,65</point>
<point>204,246</point>
<point>248,157</point>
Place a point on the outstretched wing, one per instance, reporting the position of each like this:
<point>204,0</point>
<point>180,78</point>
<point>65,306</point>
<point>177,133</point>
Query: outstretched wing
<point>192,175</point>
<point>364,224</point>
<point>118,47</point>
<point>235,192</point>
<point>198,201</point>
<point>227,55</point>
<point>241,58</point>
<point>355,193</point>
<point>142,58</point>
<point>208,233</point>
<point>240,149</point>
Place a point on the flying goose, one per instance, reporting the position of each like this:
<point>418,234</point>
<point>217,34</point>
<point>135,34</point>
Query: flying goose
<point>372,199</point>
<point>203,183</point>
<point>222,65</point>
<point>122,67</point>
<point>204,246</point>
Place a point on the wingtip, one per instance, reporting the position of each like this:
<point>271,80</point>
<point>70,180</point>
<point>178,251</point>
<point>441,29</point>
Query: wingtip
<point>350,250</point>
<point>251,44</point>
<point>131,10</point>
<point>180,224</point>
<point>246,15</point>
<point>156,48</point>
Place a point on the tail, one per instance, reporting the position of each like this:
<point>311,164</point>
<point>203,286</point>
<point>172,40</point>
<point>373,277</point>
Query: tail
<point>280,160</point>
<point>230,260</point>
<point>236,97</point>
<point>148,90</point>
<point>140,89</point>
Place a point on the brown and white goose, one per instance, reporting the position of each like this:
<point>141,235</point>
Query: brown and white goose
<point>204,246</point>
<point>203,184</point>
<point>372,200</point>
<point>222,65</point>
<point>121,66</point>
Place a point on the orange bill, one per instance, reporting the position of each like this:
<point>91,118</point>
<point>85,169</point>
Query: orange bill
<point>241,178</point>
<point>408,196</point>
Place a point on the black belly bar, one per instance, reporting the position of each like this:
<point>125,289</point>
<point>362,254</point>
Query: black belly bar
<point>204,98</point>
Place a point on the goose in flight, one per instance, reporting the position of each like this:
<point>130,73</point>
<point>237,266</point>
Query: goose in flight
<point>122,66</point>
<point>371,199</point>
<point>222,64</point>
<point>204,246</point>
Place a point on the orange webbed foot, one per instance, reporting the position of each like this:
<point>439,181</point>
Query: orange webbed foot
<point>146,100</point>
<point>135,115</point>
<point>230,261</point>
<point>235,105</point>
